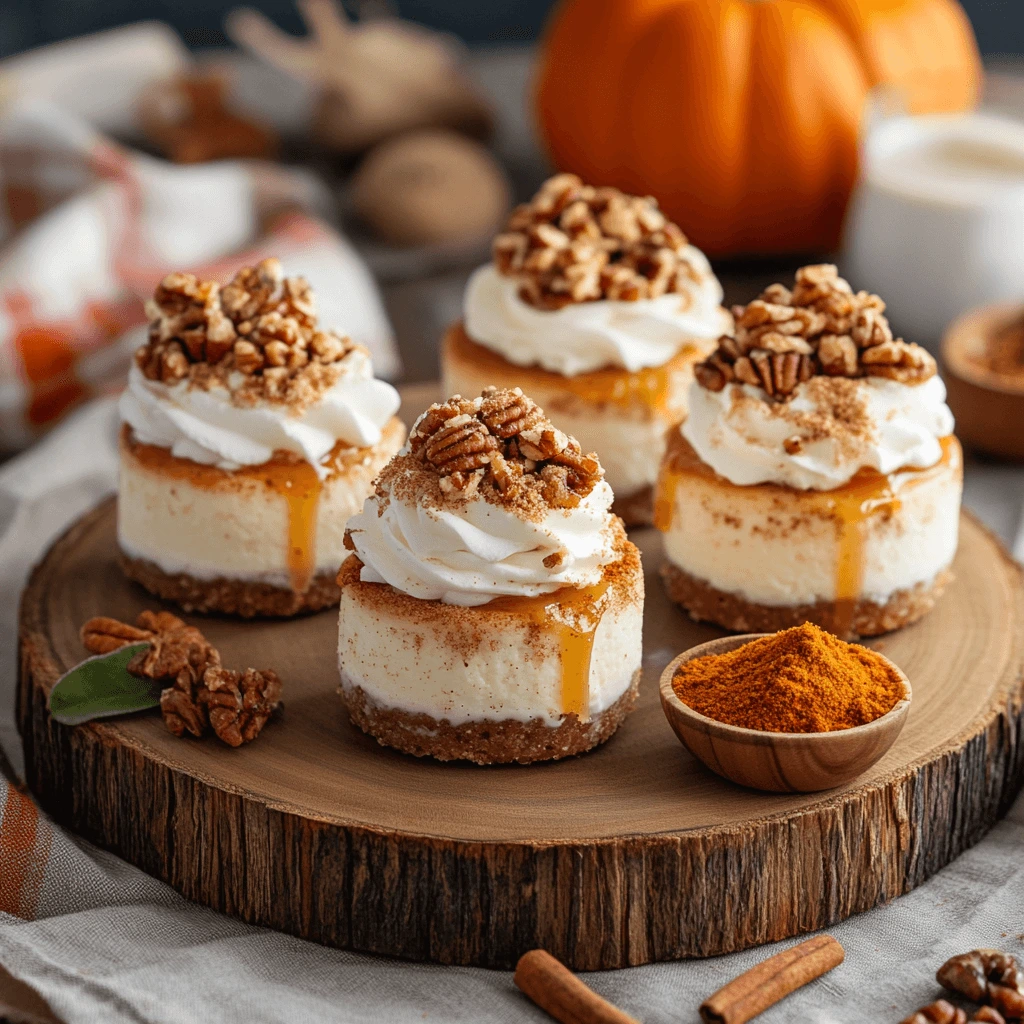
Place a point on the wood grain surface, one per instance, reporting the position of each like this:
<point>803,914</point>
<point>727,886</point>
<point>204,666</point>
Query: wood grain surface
<point>629,854</point>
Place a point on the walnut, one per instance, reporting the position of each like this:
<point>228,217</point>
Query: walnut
<point>784,337</point>
<point>239,703</point>
<point>502,442</point>
<point>986,976</point>
<point>576,243</point>
<point>898,360</point>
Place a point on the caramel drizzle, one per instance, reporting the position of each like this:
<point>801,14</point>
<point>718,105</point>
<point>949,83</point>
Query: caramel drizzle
<point>300,487</point>
<point>650,387</point>
<point>572,614</point>
<point>867,494</point>
<point>293,479</point>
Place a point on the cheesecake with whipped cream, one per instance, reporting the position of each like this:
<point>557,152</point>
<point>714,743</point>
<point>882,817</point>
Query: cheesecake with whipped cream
<point>249,437</point>
<point>492,607</point>
<point>817,477</point>
<point>598,308</point>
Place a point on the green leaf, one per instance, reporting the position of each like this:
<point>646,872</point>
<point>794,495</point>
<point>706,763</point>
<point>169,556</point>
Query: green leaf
<point>101,687</point>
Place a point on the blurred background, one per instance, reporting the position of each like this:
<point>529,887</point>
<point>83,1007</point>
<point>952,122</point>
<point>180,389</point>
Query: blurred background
<point>998,24</point>
<point>377,146</point>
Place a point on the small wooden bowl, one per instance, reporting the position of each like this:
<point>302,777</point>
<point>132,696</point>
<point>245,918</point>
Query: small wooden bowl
<point>779,762</point>
<point>989,408</point>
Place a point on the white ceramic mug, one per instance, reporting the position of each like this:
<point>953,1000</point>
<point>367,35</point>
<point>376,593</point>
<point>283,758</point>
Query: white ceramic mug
<point>936,225</point>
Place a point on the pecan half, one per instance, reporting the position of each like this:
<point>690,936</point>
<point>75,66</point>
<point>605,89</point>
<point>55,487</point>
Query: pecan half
<point>986,976</point>
<point>101,635</point>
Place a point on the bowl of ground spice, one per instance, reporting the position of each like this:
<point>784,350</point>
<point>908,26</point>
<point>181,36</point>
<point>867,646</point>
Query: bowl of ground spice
<point>983,364</point>
<point>791,712</point>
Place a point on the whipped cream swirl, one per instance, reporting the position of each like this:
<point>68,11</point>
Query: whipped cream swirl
<point>808,442</point>
<point>204,426</point>
<point>585,336</point>
<point>471,552</point>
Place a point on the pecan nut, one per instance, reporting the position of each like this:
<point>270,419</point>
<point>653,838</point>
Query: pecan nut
<point>102,634</point>
<point>576,243</point>
<point>900,361</point>
<point>831,329</point>
<point>239,704</point>
<point>986,976</point>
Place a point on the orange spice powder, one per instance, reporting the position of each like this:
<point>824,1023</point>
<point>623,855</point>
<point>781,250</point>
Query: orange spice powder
<point>800,680</point>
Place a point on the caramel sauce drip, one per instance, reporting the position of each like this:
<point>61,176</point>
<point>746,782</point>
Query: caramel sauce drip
<point>292,478</point>
<point>300,487</point>
<point>650,387</point>
<point>867,494</point>
<point>573,615</point>
<point>665,496</point>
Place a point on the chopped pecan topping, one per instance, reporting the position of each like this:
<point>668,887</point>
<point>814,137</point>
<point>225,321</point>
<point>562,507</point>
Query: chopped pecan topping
<point>261,326</point>
<point>502,442</point>
<point>239,703</point>
<point>576,243</point>
<point>986,976</point>
<point>785,337</point>
<point>201,694</point>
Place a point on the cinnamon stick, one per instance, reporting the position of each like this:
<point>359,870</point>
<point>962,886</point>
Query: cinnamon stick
<point>555,989</point>
<point>764,985</point>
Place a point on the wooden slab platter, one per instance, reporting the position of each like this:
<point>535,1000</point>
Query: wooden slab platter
<point>630,854</point>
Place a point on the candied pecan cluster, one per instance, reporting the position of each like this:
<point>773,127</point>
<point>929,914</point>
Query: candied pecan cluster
<point>503,443</point>
<point>986,976</point>
<point>820,327</point>
<point>201,694</point>
<point>261,325</point>
<point>576,243</point>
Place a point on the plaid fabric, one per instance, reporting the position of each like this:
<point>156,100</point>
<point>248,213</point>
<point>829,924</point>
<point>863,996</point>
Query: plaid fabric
<point>87,229</point>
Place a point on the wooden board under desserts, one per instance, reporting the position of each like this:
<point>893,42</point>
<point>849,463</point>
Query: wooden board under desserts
<point>629,854</point>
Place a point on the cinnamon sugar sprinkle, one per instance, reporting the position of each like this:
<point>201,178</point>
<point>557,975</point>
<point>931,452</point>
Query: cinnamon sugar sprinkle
<point>256,336</point>
<point>839,414</point>
<point>499,446</point>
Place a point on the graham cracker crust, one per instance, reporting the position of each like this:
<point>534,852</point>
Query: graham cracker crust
<point>706,603</point>
<point>636,509</point>
<point>232,597</point>
<point>486,742</point>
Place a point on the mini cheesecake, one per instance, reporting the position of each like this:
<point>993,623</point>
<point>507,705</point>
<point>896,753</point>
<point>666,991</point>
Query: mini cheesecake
<point>249,439</point>
<point>817,477</point>
<point>492,607</point>
<point>597,307</point>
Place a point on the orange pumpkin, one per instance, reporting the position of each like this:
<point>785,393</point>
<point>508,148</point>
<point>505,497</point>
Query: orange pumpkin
<point>742,117</point>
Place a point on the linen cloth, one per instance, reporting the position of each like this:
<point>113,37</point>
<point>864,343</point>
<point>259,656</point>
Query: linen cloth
<point>103,942</point>
<point>87,230</point>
